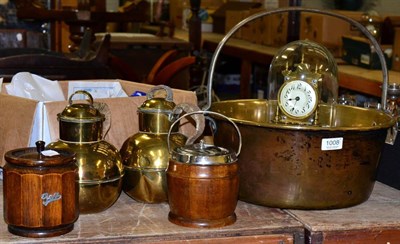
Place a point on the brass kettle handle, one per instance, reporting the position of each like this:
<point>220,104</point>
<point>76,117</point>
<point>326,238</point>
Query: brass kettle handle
<point>212,113</point>
<point>82,92</point>
<point>102,107</point>
<point>199,119</point>
<point>167,89</point>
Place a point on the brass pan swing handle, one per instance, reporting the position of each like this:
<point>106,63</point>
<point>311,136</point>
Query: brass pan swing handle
<point>362,28</point>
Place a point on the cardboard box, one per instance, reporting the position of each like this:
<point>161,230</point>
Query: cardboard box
<point>360,52</point>
<point>211,4</point>
<point>251,30</point>
<point>233,17</point>
<point>176,12</point>
<point>276,33</point>
<point>219,16</point>
<point>17,116</point>
<point>328,30</point>
<point>268,30</point>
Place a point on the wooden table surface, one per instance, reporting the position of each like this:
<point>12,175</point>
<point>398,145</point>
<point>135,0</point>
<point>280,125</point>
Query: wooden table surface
<point>362,80</point>
<point>128,221</point>
<point>133,40</point>
<point>375,221</point>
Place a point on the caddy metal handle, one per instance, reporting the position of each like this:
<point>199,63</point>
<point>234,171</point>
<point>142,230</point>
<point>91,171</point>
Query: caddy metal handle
<point>362,28</point>
<point>212,113</point>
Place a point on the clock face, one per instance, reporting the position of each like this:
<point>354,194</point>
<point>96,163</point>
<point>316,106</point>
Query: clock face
<point>297,99</point>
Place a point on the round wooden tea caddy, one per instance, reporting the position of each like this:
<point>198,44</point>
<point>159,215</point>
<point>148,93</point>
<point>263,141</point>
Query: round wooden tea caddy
<point>203,183</point>
<point>40,192</point>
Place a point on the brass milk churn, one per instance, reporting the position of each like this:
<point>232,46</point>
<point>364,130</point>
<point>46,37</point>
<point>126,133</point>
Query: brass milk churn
<point>40,191</point>
<point>100,168</point>
<point>203,183</point>
<point>145,154</point>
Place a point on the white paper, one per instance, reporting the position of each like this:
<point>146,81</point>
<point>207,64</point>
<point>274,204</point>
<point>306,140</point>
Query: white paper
<point>329,144</point>
<point>40,129</point>
<point>96,89</point>
<point>27,85</point>
<point>50,153</point>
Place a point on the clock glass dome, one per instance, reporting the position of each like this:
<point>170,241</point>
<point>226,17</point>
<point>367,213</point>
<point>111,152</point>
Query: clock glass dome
<point>302,75</point>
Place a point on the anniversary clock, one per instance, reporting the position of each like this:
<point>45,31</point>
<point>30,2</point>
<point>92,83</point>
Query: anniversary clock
<point>302,76</point>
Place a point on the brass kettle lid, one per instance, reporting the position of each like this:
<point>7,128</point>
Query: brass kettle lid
<point>81,112</point>
<point>203,154</point>
<point>158,104</point>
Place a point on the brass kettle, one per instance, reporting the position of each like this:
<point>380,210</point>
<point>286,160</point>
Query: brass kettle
<point>145,155</point>
<point>100,168</point>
